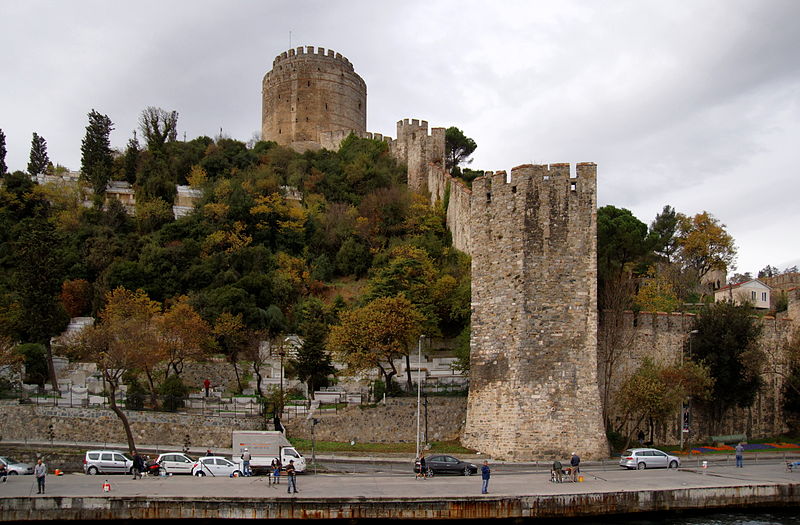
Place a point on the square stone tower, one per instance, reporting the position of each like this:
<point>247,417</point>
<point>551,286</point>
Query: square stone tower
<point>533,383</point>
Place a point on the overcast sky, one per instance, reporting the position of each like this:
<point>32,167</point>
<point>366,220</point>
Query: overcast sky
<point>692,103</point>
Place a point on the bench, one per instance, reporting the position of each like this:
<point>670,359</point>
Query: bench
<point>732,438</point>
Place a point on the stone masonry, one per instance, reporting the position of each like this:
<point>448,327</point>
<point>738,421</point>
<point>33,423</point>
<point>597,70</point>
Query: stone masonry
<point>308,92</point>
<point>533,386</point>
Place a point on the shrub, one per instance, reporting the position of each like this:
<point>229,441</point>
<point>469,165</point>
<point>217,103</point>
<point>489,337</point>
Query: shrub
<point>173,391</point>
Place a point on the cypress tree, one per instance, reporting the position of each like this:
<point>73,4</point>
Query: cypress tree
<point>96,159</point>
<point>38,161</point>
<point>3,167</point>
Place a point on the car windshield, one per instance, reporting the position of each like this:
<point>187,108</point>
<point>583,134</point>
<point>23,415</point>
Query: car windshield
<point>5,459</point>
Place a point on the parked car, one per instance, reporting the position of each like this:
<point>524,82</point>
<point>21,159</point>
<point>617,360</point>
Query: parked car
<point>15,467</point>
<point>441,464</point>
<point>642,458</point>
<point>176,463</point>
<point>215,466</point>
<point>106,462</point>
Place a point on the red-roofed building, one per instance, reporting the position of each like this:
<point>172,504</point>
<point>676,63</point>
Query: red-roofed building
<point>754,292</point>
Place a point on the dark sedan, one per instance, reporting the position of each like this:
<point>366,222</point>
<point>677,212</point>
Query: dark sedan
<point>440,464</point>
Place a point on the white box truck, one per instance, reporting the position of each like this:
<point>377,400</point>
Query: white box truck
<point>264,446</point>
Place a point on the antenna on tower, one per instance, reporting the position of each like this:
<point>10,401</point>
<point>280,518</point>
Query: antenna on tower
<point>290,39</point>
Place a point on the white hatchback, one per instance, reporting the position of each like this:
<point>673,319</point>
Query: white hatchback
<point>642,458</point>
<point>176,463</point>
<point>215,466</point>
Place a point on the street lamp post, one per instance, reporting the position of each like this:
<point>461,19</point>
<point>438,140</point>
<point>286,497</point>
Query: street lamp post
<point>419,384</point>
<point>281,353</point>
<point>683,412</point>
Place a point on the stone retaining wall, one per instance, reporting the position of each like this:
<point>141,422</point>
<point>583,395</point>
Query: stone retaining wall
<point>394,422</point>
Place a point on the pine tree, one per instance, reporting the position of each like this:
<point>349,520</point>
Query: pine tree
<point>131,162</point>
<point>3,167</point>
<point>96,160</point>
<point>38,161</point>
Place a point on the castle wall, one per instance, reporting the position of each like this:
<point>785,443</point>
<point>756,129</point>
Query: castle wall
<point>308,92</point>
<point>533,385</point>
<point>417,149</point>
<point>663,337</point>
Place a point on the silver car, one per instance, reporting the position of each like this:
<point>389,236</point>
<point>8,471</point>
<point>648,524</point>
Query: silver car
<point>642,458</point>
<point>176,463</point>
<point>15,467</point>
<point>215,466</point>
<point>106,462</point>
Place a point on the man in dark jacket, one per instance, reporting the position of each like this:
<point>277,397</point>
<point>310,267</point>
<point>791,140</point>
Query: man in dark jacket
<point>486,473</point>
<point>138,465</point>
<point>575,467</point>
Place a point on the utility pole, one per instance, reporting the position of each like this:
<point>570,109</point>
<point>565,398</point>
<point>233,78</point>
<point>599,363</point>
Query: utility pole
<point>419,384</point>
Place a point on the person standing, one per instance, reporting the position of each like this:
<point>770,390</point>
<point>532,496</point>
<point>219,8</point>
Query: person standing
<point>486,473</point>
<point>276,471</point>
<point>40,472</point>
<point>246,457</point>
<point>292,476</point>
<point>740,455</point>
<point>640,437</point>
<point>206,386</point>
<point>575,466</point>
<point>3,472</point>
<point>421,466</point>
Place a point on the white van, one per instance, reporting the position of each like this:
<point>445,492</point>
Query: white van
<point>107,462</point>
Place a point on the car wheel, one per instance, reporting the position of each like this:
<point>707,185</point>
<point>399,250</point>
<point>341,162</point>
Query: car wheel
<point>13,473</point>
<point>467,471</point>
<point>430,473</point>
<point>237,473</point>
<point>199,473</point>
<point>92,471</point>
<point>673,464</point>
<point>641,466</point>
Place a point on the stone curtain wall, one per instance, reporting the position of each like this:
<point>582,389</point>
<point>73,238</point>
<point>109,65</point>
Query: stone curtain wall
<point>394,422</point>
<point>98,425</point>
<point>308,92</point>
<point>662,337</point>
<point>533,386</point>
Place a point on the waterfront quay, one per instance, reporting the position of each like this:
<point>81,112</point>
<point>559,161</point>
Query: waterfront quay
<point>512,494</point>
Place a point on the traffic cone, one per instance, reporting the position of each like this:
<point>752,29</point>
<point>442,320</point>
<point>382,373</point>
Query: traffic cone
<point>106,486</point>
<point>58,472</point>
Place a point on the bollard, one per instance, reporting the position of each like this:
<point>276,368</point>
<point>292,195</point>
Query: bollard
<point>106,486</point>
<point>705,466</point>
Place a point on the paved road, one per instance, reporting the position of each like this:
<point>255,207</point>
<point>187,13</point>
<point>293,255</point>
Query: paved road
<point>505,481</point>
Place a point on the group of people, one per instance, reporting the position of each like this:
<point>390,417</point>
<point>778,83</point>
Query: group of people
<point>291,474</point>
<point>557,472</point>
<point>39,472</point>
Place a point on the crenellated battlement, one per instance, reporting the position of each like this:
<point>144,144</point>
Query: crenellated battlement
<point>332,140</point>
<point>305,52</point>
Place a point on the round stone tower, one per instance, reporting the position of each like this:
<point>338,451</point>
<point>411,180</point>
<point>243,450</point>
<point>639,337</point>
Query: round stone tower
<point>309,92</point>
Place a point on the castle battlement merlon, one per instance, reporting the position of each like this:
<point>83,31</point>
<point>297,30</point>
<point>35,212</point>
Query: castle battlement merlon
<point>309,52</point>
<point>540,175</point>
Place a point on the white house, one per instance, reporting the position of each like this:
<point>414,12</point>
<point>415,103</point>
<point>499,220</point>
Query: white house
<point>754,292</point>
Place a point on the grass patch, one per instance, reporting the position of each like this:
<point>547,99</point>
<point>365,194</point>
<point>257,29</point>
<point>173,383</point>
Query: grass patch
<point>446,447</point>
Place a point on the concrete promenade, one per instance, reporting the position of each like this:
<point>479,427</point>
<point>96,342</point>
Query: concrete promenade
<point>355,496</point>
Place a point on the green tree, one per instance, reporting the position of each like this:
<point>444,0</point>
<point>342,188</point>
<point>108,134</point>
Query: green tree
<point>313,363</point>
<point>96,159</point>
<point>38,159</point>
<point>35,357</point>
<point>620,247</point>
<point>158,127</point>
<point>458,147</point>
<point>661,236</point>
<point>726,342</point>
<point>3,166</point>
<point>37,283</point>
<point>131,160</point>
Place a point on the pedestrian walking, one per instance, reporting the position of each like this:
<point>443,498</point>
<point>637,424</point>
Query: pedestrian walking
<point>3,472</point>
<point>486,473</point>
<point>420,465</point>
<point>292,477</point>
<point>740,455</point>
<point>40,472</point>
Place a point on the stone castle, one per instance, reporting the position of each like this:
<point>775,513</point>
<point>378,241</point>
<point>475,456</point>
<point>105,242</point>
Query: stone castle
<point>532,237</point>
